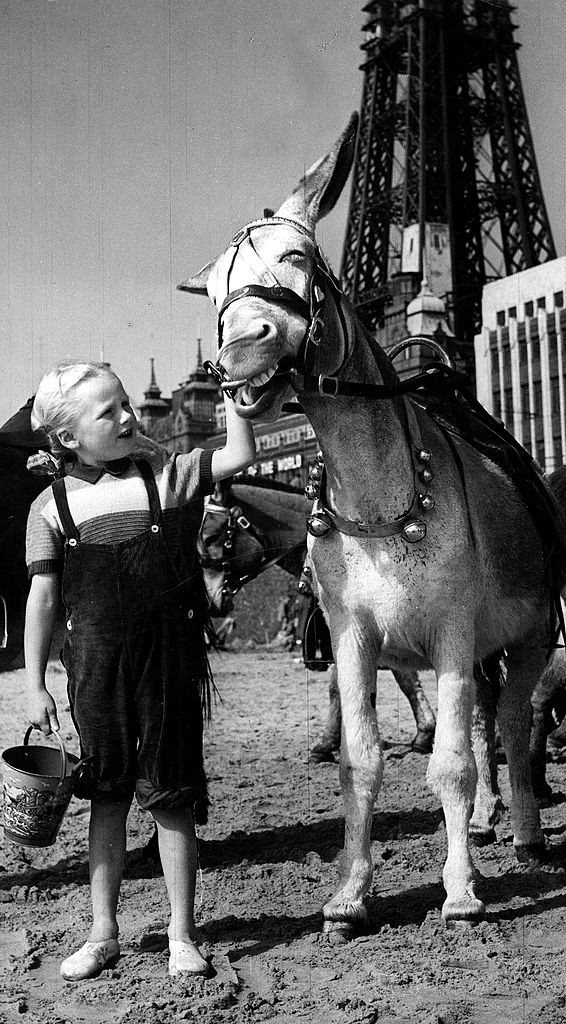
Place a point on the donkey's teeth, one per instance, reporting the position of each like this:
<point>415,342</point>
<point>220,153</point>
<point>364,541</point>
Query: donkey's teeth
<point>262,378</point>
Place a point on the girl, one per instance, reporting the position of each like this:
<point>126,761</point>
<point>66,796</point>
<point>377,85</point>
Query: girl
<point>118,530</point>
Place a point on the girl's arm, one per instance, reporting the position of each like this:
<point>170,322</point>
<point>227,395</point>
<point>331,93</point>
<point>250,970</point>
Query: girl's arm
<point>239,451</point>
<point>41,611</point>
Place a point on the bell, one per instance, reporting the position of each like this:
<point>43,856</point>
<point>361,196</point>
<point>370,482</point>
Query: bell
<point>318,524</point>
<point>414,531</point>
<point>426,475</point>
<point>307,571</point>
<point>424,456</point>
<point>236,512</point>
<point>315,472</point>
<point>312,491</point>
<point>426,502</point>
<point>320,458</point>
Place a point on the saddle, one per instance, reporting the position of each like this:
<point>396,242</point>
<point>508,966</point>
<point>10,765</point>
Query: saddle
<point>446,398</point>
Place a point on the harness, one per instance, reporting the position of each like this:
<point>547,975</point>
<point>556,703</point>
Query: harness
<point>466,417</point>
<point>323,284</point>
<point>234,580</point>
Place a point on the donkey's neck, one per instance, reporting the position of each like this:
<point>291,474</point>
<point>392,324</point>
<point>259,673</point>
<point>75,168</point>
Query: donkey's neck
<point>363,441</point>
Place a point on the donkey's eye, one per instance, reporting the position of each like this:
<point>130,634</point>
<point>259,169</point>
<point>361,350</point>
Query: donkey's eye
<point>293,254</point>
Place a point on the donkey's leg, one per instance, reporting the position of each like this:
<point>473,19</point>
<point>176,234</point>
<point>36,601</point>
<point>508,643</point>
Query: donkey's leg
<point>409,684</point>
<point>548,697</point>
<point>361,772</point>
<point>452,776</point>
<point>488,805</point>
<point>330,740</point>
<point>524,666</point>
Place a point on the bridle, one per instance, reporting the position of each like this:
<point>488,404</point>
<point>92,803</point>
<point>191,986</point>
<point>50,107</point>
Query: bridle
<point>321,283</point>
<point>236,523</point>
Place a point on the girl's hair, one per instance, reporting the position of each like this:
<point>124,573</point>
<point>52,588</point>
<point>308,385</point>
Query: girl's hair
<point>56,405</point>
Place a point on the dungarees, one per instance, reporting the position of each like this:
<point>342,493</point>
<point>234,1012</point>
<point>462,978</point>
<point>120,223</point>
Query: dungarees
<point>136,662</point>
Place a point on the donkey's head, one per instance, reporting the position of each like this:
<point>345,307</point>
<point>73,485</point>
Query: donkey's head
<point>275,295</point>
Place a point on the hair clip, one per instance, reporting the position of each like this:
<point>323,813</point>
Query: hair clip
<point>43,464</point>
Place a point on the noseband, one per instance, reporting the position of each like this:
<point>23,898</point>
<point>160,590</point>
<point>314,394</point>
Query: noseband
<point>321,282</point>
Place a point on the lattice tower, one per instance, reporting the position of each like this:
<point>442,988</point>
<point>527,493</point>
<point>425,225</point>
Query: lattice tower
<point>444,142</point>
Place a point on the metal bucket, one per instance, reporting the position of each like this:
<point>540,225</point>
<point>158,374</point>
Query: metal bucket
<point>38,785</point>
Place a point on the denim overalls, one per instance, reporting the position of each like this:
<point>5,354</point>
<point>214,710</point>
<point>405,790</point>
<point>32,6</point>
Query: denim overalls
<point>135,658</point>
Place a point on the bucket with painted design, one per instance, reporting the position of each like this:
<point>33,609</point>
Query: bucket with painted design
<point>38,786</point>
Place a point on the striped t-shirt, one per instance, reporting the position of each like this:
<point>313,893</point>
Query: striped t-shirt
<point>110,505</point>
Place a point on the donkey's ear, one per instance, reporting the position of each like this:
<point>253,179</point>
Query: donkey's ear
<point>199,282</point>
<point>319,189</point>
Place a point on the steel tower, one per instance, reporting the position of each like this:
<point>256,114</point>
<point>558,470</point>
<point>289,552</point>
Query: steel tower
<point>445,176</point>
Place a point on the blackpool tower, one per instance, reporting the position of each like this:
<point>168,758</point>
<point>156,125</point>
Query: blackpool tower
<point>445,180</point>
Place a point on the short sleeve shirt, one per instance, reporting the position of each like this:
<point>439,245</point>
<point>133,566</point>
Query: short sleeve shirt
<point>110,505</point>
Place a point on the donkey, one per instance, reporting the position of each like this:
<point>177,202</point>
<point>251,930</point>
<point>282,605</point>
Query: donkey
<point>406,575</point>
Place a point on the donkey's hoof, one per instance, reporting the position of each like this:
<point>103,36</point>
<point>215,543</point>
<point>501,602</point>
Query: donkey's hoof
<point>482,837</point>
<point>466,910</point>
<point>338,932</point>
<point>462,924</point>
<point>531,853</point>
<point>423,742</point>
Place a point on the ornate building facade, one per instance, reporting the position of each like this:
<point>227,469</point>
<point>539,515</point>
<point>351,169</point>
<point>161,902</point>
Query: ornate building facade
<point>188,418</point>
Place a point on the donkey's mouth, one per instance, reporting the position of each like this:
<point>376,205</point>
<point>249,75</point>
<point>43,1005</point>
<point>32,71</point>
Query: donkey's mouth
<point>254,400</point>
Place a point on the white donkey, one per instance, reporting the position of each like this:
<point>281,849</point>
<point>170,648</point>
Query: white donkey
<point>426,555</point>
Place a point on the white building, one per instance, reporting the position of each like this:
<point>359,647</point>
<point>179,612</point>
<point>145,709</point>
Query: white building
<point>521,358</point>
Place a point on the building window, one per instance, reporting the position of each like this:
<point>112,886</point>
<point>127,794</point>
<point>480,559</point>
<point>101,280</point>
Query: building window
<point>497,404</point>
<point>512,312</point>
<point>559,300</point>
<point>535,350</point>
<point>541,303</point>
<point>529,309</point>
<point>537,411</point>
<point>508,397</point>
<point>500,318</point>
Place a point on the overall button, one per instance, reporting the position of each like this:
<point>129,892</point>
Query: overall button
<point>73,542</point>
<point>190,613</point>
<point>69,624</point>
<point>155,528</point>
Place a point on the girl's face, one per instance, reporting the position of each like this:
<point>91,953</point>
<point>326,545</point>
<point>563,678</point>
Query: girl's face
<point>106,427</point>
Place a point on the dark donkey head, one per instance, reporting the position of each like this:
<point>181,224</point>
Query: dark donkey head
<point>246,528</point>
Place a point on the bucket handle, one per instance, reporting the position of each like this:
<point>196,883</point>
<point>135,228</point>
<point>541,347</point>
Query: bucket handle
<point>63,752</point>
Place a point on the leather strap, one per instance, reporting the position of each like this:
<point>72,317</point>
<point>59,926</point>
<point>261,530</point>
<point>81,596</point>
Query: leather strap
<point>435,377</point>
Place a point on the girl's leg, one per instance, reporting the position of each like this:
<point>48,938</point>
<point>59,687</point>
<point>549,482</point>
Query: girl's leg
<point>107,849</point>
<point>107,846</point>
<point>178,851</point>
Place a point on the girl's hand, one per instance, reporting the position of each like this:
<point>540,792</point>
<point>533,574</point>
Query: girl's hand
<point>42,711</point>
<point>239,452</point>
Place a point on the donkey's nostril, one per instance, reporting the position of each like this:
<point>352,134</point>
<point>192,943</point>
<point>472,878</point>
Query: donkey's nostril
<point>264,330</point>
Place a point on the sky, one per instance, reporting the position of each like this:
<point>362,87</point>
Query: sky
<point>138,135</point>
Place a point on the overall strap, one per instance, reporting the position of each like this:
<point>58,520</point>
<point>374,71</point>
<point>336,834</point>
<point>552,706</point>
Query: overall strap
<point>152,492</point>
<point>62,503</point>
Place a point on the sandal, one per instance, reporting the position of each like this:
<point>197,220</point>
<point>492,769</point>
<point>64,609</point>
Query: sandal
<point>90,960</point>
<point>186,958</point>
